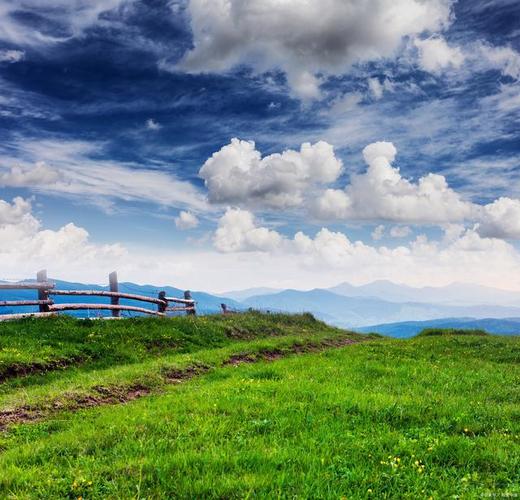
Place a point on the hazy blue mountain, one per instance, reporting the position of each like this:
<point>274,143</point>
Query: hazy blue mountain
<point>206,303</point>
<point>360,311</point>
<point>241,295</point>
<point>405,329</point>
<point>454,294</point>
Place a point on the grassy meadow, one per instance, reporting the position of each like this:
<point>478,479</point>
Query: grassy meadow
<point>254,406</point>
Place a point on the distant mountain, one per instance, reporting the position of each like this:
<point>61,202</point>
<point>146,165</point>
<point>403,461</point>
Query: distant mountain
<point>206,303</point>
<point>454,294</point>
<point>406,329</point>
<point>240,295</point>
<point>351,312</point>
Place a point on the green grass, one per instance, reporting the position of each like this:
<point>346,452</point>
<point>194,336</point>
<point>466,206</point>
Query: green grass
<point>434,416</point>
<point>431,332</point>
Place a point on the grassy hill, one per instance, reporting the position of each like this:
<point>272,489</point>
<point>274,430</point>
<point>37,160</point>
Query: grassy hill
<point>253,405</point>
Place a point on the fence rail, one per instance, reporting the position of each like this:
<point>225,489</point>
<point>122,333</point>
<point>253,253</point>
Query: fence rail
<point>47,306</point>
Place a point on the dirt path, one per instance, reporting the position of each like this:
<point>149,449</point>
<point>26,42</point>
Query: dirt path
<point>112,395</point>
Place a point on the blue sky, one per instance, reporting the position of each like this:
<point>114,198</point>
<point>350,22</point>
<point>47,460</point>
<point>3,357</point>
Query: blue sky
<point>109,110</point>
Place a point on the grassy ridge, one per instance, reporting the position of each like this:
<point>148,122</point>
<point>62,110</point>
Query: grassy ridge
<point>433,416</point>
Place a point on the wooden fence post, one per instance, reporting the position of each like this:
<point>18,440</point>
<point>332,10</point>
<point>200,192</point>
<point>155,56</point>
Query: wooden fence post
<point>43,293</point>
<point>114,287</point>
<point>162,307</point>
<point>187,296</point>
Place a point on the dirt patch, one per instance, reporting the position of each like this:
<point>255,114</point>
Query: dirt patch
<point>176,376</point>
<point>274,354</point>
<point>26,369</point>
<point>112,395</point>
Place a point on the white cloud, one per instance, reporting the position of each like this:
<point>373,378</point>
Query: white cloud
<point>39,175</point>
<point>11,56</point>
<point>151,124</point>
<point>506,59</point>
<point>67,18</point>
<point>81,174</point>
<point>237,174</point>
<point>501,219</point>
<point>383,194</point>
<point>237,232</point>
<point>186,220</point>
<point>304,39</point>
<point>26,247</point>
<point>378,232</point>
<point>377,89</point>
<point>400,231</point>
<point>435,55</point>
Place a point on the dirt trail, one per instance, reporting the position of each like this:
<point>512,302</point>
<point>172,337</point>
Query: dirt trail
<point>112,395</point>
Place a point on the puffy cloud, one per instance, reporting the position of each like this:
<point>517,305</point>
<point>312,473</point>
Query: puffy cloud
<point>304,39</point>
<point>151,124</point>
<point>501,219</point>
<point>383,194</point>
<point>25,246</point>
<point>237,174</point>
<point>38,175</point>
<point>15,212</point>
<point>11,56</point>
<point>435,55</point>
<point>186,220</point>
<point>506,59</point>
<point>378,232</point>
<point>377,88</point>
<point>400,231</point>
<point>237,232</point>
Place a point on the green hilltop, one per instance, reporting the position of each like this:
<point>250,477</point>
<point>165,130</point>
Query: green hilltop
<point>254,405</point>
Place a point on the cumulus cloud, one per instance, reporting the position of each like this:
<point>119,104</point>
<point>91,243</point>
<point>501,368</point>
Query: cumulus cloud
<point>11,56</point>
<point>377,89</point>
<point>186,220</point>
<point>24,243</point>
<point>381,193</point>
<point>237,174</point>
<point>435,55</point>
<point>151,124</point>
<point>39,175</point>
<point>237,232</point>
<point>501,219</point>
<point>304,39</point>
<point>506,59</point>
<point>400,231</point>
<point>378,232</point>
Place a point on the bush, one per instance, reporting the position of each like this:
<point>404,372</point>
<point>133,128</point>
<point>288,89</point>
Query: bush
<point>432,332</point>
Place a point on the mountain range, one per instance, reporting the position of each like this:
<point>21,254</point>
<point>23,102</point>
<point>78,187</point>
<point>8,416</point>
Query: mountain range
<point>381,306</point>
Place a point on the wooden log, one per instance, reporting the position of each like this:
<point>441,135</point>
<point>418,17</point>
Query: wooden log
<point>15,303</point>
<point>180,301</point>
<point>180,308</point>
<point>43,293</point>
<point>26,286</point>
<point>103,293</point>
<point>114,288</point>
<point>162,302</point>
<point>190,311</point>
<point>8,317</point>
<point>108,307</point>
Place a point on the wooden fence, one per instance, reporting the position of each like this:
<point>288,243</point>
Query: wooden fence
<point>48,307</point>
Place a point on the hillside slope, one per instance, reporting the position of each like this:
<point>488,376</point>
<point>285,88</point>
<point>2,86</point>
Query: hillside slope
<point>253,406</point>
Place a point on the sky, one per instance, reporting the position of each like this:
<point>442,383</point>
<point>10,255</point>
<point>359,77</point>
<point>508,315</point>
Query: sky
<point>229,144</point>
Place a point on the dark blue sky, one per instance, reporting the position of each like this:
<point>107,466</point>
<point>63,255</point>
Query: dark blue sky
<point>108,110</point>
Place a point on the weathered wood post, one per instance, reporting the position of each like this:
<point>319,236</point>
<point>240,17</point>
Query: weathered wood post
<point>162,306</point>
<point>114,287</point>
<point>191,311</point>
<point>43,293</point>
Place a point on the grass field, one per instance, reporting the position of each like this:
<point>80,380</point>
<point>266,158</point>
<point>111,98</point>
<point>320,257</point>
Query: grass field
<point>254,406</point>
